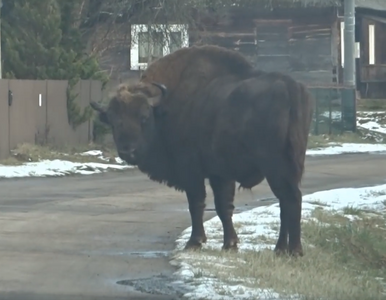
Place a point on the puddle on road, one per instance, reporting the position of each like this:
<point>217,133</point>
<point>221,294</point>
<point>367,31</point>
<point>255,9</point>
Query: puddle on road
<point>157,285</point>
<point>147,254</point>
<point>137,254</point>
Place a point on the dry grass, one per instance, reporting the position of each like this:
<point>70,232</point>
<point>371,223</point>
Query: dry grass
<point>34,153</point>
<point>320,141</point>
<point>351,210</point>
<point>366,116</point>
<point>371,104</point>
<point>343,260</point>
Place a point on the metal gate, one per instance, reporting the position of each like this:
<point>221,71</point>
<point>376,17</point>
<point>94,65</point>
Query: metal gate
<point>335,110</point>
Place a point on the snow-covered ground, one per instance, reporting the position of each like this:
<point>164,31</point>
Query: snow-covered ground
<point>254,225</point>
<point>336,148</point>
<point>58,167</point>
<point>373,121</point>
<point>335,115</point>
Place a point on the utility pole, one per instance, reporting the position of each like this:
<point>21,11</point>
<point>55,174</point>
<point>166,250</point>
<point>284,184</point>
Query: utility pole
<point>349,77</point>
<point>1,64</point>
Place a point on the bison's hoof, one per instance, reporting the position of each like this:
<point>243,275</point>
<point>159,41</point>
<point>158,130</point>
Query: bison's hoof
<point>280,251</point>
<point>194,244</point>
<point>230,245</point>
<point>296,252</point>
<point>227,248</point>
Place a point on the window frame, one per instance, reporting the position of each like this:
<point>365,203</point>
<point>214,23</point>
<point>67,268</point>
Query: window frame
<point>137,28</point>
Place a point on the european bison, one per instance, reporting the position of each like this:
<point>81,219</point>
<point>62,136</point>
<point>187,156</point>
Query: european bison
<point>205,112</point>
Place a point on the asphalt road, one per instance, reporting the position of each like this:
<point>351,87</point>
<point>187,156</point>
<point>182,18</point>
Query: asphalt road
<point>75,237</point>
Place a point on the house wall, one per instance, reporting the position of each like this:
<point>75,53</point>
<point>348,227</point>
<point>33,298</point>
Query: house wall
<point>301,42</point>
<point>112,43</point>
<point>372,71</point>
<point>119,51</point>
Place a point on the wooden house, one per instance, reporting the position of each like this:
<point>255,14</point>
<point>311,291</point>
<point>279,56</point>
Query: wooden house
<point>300,38</point>
<point>371,39</point>
<point>303,38</point>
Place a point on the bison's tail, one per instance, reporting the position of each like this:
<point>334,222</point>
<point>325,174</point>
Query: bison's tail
<point>301,109</point>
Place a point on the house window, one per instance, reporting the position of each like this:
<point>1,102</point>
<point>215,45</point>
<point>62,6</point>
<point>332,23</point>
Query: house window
<point>371,44</point>
<point>175,41</point>
<point>159,40</point>
<point>149,46</point>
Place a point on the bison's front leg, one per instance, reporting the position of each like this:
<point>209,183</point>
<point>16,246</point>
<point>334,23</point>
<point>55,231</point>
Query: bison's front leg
<point>196,198</point>
<point>224,193</point>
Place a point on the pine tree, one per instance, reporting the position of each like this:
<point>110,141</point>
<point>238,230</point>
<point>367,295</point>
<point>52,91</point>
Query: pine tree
<point>31,39</point>
<point>41,41</point>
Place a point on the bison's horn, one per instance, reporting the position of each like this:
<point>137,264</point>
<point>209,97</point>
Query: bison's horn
<point>96,106</point>
<point>154,101</point>
<point>161,87</point>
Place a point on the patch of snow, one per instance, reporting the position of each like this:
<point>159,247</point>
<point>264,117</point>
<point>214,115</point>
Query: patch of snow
<point>92,153</point>
<point>56,167</point>
<point>335,115</point>
<point>254,224</point>
<point>374,126</point>
<point>335,149</point>
<point>99,154</point>
<point>373,121</point>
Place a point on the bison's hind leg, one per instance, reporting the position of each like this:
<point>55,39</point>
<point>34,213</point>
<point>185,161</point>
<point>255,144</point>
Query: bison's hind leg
<point>285,187</point>
<point>224,192</point>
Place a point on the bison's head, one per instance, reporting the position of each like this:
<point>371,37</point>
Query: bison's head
<point>130,114</point>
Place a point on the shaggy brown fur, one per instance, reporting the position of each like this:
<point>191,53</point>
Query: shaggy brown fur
<point>220,119</point>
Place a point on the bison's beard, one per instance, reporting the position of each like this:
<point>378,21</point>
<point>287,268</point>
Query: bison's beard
<point>132,161</point>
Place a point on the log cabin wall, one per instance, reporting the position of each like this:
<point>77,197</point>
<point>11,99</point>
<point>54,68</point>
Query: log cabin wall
<point>372,62</point>
<point>302,42</point>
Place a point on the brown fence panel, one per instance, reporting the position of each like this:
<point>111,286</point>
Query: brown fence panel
<point>60,132</point>
<point>22,112</point>
<point>4,119</point>
<point>39,95</point>
<point>38,113</point>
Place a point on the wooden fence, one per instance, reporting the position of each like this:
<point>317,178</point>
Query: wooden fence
<point>35,111</point>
